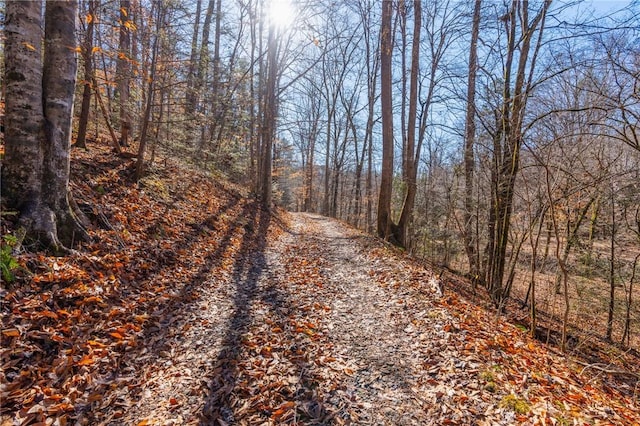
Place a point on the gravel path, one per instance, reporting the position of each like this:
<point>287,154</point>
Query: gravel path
<point>377,326</point>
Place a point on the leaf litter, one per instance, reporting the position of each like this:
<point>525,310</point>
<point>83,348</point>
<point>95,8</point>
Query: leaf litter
<point>195,306</point>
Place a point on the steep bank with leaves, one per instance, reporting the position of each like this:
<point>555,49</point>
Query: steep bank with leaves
<point>73,326</point>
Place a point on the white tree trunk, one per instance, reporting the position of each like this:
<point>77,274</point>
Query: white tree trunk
<point>39,113</point>
<point>22,168</point>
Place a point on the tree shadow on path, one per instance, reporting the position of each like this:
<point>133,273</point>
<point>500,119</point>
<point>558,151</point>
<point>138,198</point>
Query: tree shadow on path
<point>228,400</point>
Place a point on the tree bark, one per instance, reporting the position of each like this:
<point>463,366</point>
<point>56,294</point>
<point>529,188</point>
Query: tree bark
<point>626,333</point>
<point>384,222</point>
<point>203,66</point>
<point>123,71</point>
<point>269,118</point>
<point>411,157</point>
<point>469,138</point>
<point>87,55</point>
<point>24,121</point>
<point>59,81</point>
<point>191,94</point>
<point>39,112</point>
<point>508,137</point>
<point>140,164</point>
<point>612,264</point>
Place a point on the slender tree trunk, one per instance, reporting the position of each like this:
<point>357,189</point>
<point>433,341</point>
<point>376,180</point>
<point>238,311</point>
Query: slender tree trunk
<point>105,114</point>
<point>123,72</point>
<point>260,101</point>
<point>269,118</point>
<point>191,94</point>
<point>567,307</point>
<point>203,75</point>
<point>308,198</point>
<point>87,55</point>
<point>531,291</point>
<point>508,138</point>
<point>311,147</point>
<point>384,222</point>
<point>626,333</point>
<point>501,178</point>
<point>253,138</point>
<point>372,61</point>
<point>402,23</point>
<point>612,270</point>
<point>369,186</point>
<point>327,159</point>
<point>140,164</point>
<point>469,138</point>
<point>216,106</point>
<point>572,237</point>
<point>360,156</point>
<point>411,157</point>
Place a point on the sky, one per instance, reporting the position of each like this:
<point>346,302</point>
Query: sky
<point>603,7</point>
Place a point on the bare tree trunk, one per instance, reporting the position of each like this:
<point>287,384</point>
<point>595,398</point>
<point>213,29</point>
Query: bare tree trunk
<point>203,68</point>
<point>572,237</point>
<point>372,61</point>
<point>216,106</point>
<point>87,55</point>
<point>384,222</point>
<point>24,121</point>
<point>411,157</point>
<point>105,115</point>
<point>123,71</point>
<point>140,164</point>
<point>401,21</point>
<point>308,192</point>
<point>260,101</point>
<point>612,270</point>
<point>369,186</point>
<point>531,291</point>
<point>567,306</point>
<point>269,118</point>
<point>59,80</point>
<point>327,158</point>
<point>626,333</point>
<point>469,138</point>
<point>39,111</point>
<point>191,94</point>
<point>253,137</point>
<point>310,151</point>
<point>508,137</point>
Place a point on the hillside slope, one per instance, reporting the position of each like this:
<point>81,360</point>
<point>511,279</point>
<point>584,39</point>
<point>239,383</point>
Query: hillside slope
<point>195,306</point>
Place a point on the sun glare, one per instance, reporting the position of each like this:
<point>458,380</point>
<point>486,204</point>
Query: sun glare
<point>281,13</point>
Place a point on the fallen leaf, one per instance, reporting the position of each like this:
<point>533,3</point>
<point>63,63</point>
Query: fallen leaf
<point>11,332</point>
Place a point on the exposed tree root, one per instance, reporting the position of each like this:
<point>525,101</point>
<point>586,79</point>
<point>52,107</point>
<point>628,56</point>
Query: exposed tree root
<point>55,231</point>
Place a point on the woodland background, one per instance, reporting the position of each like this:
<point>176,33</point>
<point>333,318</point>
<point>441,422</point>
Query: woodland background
<point>514,127</point>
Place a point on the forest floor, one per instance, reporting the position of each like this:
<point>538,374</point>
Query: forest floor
<point>195,306</point>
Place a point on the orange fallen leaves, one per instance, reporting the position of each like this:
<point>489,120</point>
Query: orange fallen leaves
<point>86,360</point>
<point>116,335</point>
<point>282,409</point>
<point>11,332</point>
